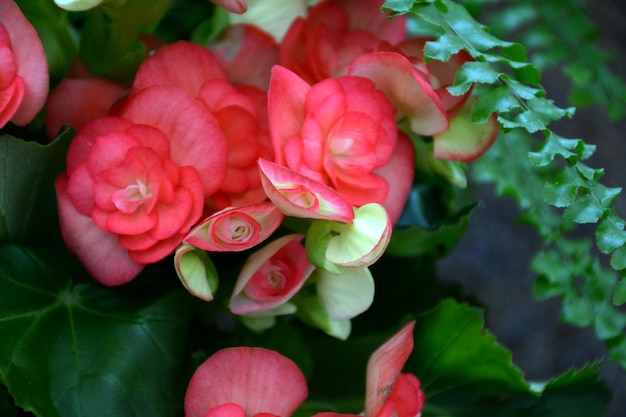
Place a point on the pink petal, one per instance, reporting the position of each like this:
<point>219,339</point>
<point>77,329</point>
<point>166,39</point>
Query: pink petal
<point>247,54</point>
<point>398,173</point>
<point>407,91</point>
<point>233,6</point>
<point>156,252</point>
<point>82,143</point>
<point>99,251</point>
<point>258,380</point>
<point>10,100</point>
<point>384,367</point>
<point>286,107</point>
<point>406,399</point>
<point>76,102</point>
<point>299,196</point>
<point>30,59</point>
<point>366,15</point>
<point>226,410</point>
<point>182,64</point>
<point>195,137</point>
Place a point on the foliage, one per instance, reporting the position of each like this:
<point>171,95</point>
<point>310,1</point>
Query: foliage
<point>510,86</point>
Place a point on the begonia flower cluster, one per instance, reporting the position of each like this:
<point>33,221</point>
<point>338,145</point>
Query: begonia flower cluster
<point>298,153</point>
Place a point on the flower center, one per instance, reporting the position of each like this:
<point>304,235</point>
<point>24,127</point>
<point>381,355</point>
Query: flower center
<point>130,198</point>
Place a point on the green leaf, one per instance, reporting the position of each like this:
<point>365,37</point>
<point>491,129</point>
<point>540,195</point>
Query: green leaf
<point>84,350</point>
<point>453,350</point>
<point>27,196</point>
<point>619,294</point>
<point>473,72</point>
<point>464,371</point>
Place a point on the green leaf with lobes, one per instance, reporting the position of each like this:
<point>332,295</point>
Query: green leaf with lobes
<point>83,350</point>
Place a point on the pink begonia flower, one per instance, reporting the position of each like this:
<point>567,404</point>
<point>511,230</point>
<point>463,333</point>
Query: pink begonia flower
<point>23,67</point>
<point>245,382</point>
<point>390,393</point>
<point>334,33</point>
<point>241,112</point>
<point>342,133</point>
<point>233,6</point>
<point>271,276</point>
<point>77,101</point>
<point>299,196</point>
<point>139,182</point>
<point>236,229</point>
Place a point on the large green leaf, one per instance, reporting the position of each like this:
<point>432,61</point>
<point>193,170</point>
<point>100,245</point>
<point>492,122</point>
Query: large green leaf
<point>465,372</point>
<point>84,350</point>
<point>27,197</point>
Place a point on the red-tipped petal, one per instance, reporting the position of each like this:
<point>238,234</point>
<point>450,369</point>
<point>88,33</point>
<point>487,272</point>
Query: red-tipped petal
<point>408,92</point>
<point>258,380</point>
<point>299,196</point>
<point>100,252</point>
<point>384,367</point>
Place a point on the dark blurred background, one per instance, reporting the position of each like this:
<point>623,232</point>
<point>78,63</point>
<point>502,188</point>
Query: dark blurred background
<point>492,261</point>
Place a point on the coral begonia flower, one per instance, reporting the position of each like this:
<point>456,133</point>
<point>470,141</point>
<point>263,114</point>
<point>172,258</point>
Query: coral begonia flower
<point>141,178</point>
<point>333,34</point>
<point>241,112</point>
<point>236,228</point>
<point>271,276</point>
<point>340,132</point>
<point>23,67</point>
<point>245,382</point>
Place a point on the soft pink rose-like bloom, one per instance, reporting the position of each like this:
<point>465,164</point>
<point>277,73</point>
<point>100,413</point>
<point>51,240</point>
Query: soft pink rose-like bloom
<point>333,34</point>
<point>271,276</point>
<point>23,67</point>
<point>245,382</point>
<point>136,184</point>
<point>340,132</point>
<point>241,112</point>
